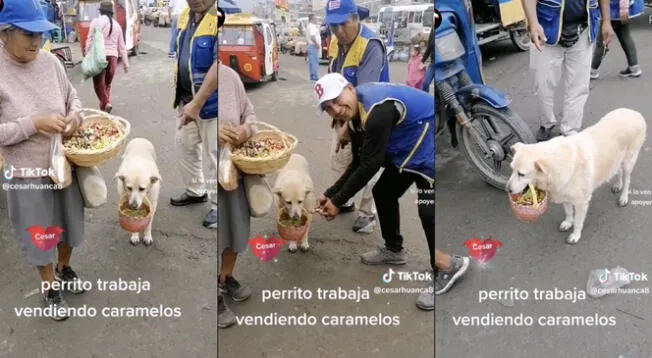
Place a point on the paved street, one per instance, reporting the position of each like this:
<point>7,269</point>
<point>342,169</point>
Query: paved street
<point>180,266</point>
<point>333,261</point>
<point>535,255</point>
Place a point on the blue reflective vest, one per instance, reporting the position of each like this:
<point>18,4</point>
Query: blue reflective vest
<point>636,8</point>
<point>550,16</point>
<point>411,146</point>
<point>355,56</point>
<point>202,56</point>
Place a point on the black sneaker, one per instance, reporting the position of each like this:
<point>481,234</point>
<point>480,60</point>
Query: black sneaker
<point>634,71</point>
<point>444,280</point>
<point>186,199</point>
<point>210,222</point>
<point>225,317</point>
<point>69,278</point>
<point>52,299</point>
<point>544,134</point>
<point>234,289</point>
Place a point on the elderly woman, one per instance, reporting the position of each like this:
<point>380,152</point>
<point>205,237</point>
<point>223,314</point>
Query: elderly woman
<point>37,101</point>
<point>235,127</point>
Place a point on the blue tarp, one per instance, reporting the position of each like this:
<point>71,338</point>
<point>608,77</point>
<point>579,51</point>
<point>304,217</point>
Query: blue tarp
<point>230,7</point>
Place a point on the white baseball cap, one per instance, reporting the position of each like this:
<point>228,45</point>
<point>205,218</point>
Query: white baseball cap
<point>329,87</point>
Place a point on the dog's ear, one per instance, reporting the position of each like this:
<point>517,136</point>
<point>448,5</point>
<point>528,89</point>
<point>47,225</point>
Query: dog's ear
<point>120,177</point>
<point>541,165</point>
<point>155,179</point>
<point>516,147</point>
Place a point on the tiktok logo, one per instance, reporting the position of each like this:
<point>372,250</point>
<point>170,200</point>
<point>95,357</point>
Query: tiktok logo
<point>9,173</point>
<point>387,278</point>
<point>604,277</point>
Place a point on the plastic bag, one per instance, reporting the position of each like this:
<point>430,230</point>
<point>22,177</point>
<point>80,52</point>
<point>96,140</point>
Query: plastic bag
<point>61,171</point>
<point>259,195</point>
<point>227,172</point>
<point>92,186</point>
<point>95,61</point>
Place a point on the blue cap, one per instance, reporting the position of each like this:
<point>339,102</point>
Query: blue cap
<point>338,11</point>
<point>27,15</point>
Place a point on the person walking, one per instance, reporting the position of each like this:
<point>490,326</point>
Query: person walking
<point>429,55</point>
<point>313,39</point>
<point>358,54</point>
<point>416,72</point>
<point>38,101</point>
<point>114,47</point>
<point>622,11</point>
<point>395,123</point>
<point>196,102</point>
<point>174,10</point>
<point>563,47</point>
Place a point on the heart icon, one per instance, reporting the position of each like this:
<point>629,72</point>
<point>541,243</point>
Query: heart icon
<point>45,239</point>
<point>266,248</point>
<point>482,250</point>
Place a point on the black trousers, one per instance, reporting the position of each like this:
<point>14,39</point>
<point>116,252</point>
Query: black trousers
<point>390,187</point>
<point>624,35</point>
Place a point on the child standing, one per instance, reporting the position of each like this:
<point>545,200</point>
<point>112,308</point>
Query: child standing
<point>416,72</point>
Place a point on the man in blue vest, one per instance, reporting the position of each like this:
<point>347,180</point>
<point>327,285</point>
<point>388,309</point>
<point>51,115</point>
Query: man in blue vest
<point>563,33</point>
<point>196,100</point>
<point>396,126</point>
<point>360,56</point>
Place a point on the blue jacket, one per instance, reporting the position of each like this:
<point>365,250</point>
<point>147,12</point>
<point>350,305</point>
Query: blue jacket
<point>202,56</point>
<point>412,144</point>
<point>636,8</point>
<point>355,56</point>
<point>550,14</point>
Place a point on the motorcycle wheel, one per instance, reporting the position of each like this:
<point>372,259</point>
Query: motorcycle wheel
<point>488,120</point>
<point>520,39</point>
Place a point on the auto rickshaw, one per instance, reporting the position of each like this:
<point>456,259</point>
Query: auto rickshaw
<point>497,20</point>
<point>126,14</point>
<point>249,46</point>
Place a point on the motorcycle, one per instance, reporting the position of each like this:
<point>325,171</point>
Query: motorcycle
<point>476,114</point>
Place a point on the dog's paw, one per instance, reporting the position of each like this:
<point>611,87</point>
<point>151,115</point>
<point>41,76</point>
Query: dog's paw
<point>304,247</point>
<point>573,238</point>
<point>616,188</point>
<point>135,240</point>
<point>622,202</point>
<point>565,225</point>
<point>292,247</point>
<point>147,240</point>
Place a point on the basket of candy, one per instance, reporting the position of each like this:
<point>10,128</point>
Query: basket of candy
<point>530,205</point>
<point>134,219</point>
<point>291,229</point>
<point>265,152</point>
<point>99,139</point>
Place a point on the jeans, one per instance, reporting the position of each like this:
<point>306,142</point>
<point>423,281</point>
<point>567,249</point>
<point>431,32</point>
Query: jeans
<point>313,61</point>
<point>388,190</point>
<point>626,42</point>
<point>429,77</point>
<point>102,82</point>
<point>173,35</point>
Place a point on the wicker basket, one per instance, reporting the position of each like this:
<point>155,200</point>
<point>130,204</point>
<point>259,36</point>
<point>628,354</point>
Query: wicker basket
<point>292,233</point>
<point>270,164</point>
<point>90,158</point>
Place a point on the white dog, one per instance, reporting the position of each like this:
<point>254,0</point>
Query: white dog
<point>570,168</point>
<point>137,178</point>
<point>294,190</point>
